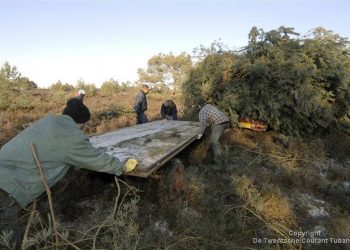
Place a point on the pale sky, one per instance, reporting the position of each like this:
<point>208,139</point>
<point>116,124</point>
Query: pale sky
<point>98,40</point>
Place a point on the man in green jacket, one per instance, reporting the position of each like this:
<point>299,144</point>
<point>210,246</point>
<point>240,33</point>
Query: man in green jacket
<point>60,143</point>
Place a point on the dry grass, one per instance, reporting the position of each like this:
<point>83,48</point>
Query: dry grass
<point>341,227</point>
<point>272,206</point>
<point>221,210</point>
<point>117,107</point>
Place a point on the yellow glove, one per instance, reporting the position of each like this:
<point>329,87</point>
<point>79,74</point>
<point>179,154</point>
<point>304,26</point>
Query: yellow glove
<point>130,165</point>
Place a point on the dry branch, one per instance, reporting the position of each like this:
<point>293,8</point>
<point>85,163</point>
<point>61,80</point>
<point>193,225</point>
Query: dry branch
<point>48,191</point>
<point>25,237</point>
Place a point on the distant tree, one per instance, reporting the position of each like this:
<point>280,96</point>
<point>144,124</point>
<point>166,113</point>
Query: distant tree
<point>166,71</point>
<point>253,34</point>
<point>11,79</point>
<point>110,87</point>
<point>12,84</point>
<point>60,86</point>
<point>9,72</point>
<point>126,85</point>
<point>216,47</point>
<point>90,88</point>
<point>24,83</point>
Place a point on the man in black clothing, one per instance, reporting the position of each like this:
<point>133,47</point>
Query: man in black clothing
<point>140,105</point>
<point>81,94</point>
<point>168,110</point>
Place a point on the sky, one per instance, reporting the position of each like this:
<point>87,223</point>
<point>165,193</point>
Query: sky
<point>97,40</point>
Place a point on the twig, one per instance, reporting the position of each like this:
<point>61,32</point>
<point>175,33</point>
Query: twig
<point>25,237</point>
<point>117,199</point>
<point>281,158</point>
<point>48,192</point>
<point>113,215</point>
<point>184,239</point>
<point>68,242</point>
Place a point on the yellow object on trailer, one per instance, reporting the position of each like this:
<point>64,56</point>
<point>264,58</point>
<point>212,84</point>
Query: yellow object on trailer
<point>253,124</point>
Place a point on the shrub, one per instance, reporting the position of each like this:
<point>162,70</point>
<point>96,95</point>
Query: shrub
<point>110,87</point>
<point>90,88</point>
<point>299,86</point>
<point>60,86</point>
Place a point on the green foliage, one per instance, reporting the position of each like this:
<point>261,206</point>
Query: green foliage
<point>166,71</point>
<point>209,79</point>
<point>90,88</point>
<point>299,86</point>
<point>59,86</point>
<point>60,96</point>
<point>111,112</point>
<point>14,89</point>
<point>110,87</point>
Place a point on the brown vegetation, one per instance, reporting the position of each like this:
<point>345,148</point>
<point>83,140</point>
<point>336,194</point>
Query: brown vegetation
<point>271,185</point>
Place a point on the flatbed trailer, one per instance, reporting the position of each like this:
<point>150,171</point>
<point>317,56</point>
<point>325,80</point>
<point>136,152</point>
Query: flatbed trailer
<point>153,144</point>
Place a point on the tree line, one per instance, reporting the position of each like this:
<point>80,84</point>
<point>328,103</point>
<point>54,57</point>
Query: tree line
<point>298,85</point>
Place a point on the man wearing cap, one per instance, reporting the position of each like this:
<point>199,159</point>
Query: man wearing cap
<point>209,115</point>
<point>140,105</point>
<point>60,143</point>
<point>81,94</point>
<point>168,110</point>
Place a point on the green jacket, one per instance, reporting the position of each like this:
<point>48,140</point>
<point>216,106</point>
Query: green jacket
<point>59,144</point>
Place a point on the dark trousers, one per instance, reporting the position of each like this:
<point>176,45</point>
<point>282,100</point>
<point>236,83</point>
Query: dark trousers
<point>9,215</point>
<point>141,118</point>
<point>216,133</point>
<point>169,117</point>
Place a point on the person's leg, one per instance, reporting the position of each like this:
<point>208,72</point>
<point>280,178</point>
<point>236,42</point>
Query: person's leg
<point>143,117</point>
<point>9,214</point>
<point>138,120</point>
<point>216,133</point>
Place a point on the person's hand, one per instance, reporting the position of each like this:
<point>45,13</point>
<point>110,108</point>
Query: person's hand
<point>199,136</point>
<point>130,165</point>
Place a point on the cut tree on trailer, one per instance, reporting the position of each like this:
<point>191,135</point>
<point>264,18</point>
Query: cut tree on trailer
<point>153,144</point>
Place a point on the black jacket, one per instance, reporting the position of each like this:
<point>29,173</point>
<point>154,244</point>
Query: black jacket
<point>140,103</point>
<point>168,109</point>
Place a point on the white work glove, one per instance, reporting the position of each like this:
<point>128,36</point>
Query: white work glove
<point>199,136</point>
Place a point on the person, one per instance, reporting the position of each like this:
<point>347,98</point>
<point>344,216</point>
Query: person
<point>60,143</point>
<point>140,105</point>
<point>209,115</point>
<point>81,94</point>
<point>168,110</point>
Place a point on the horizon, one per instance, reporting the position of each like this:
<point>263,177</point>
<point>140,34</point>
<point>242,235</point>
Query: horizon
<point>51,41</point>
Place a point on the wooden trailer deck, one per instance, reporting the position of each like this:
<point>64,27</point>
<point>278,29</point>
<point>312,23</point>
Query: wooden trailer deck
<point>153,144</point>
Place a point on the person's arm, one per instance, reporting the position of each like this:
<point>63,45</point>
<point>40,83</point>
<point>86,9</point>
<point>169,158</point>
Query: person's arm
<point>138,104</point>
<point>83,155</point>
<point>203,120</point>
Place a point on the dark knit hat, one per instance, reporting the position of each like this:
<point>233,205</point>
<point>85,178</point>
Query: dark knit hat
<point>77,110</point>
<point>201,102</point>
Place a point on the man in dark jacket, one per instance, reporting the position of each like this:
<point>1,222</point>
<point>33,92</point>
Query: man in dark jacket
<point>140,105</point>
<point>81,94</point>
<point>60,143</point>
<point>168,110</point>
<point>209,115</point>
